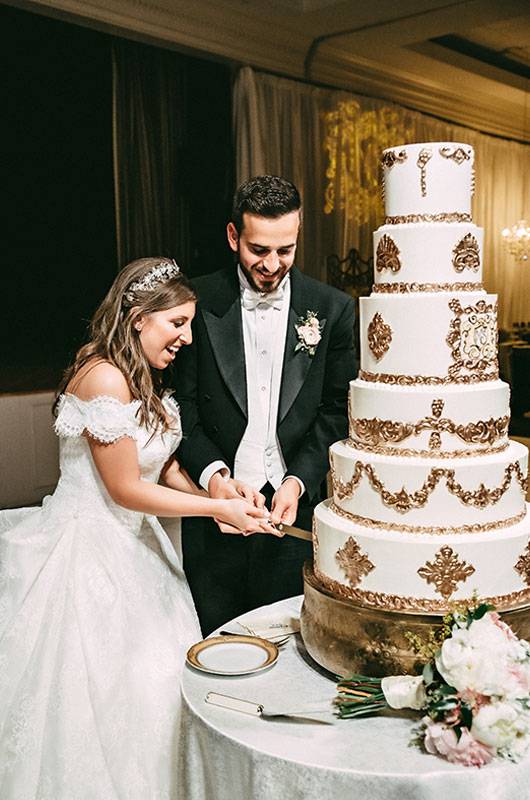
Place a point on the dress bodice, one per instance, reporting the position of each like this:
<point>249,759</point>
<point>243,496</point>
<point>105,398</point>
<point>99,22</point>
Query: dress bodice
<point>107,420</point>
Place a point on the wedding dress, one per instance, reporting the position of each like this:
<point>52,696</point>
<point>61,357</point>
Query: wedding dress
<point>95,620</point>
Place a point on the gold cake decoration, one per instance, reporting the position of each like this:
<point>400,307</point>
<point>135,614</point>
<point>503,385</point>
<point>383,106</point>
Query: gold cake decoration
<point>403,500</point>
<point>446,571</point>
<point>353,562</point>
<point>473,338</point>
<point>435,441</point>
<point>437,406</point>
<point>391,157</point>
<point>395,602</point>
<point>387,255</point>
<point>442,216</point>
<point>523,565</point>
<point>379,336</point>
<point>425,380</point>
<point>407,288</point>
<point>314,536</point>
<point>406,452</point>
<point>375,431</point>
<point>434,530</point>
<point>466,254</point>
<point>456,154</point>
<point>424,157</point>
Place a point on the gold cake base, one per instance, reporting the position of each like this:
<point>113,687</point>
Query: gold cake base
<point>345,638</point>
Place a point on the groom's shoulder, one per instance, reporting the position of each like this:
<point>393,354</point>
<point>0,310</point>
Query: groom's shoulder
<point>328,295</point>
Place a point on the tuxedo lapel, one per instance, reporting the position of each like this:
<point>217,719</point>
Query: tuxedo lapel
<point>225,331</point>
<point>296,363</point>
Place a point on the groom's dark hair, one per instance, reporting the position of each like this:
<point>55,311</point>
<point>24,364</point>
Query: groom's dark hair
<point>265,196</point>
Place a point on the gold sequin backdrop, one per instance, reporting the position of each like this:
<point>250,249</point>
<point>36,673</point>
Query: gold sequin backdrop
<point>329,143</point>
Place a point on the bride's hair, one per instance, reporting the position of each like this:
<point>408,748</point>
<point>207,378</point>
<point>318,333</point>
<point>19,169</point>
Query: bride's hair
<point>142,287</point>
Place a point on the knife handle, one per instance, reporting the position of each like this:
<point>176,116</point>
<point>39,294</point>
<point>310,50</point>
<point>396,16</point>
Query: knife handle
<point>234,704</point>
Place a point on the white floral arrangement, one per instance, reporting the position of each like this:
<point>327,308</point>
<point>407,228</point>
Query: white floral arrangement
<point>309,330</point>
<point>474,690</point>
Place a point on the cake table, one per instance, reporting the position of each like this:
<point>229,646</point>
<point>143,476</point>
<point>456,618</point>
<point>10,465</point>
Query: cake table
<point>227,755</point>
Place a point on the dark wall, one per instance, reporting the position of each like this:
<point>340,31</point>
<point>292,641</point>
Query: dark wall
<point>59,236</point>
<point>58,222</point>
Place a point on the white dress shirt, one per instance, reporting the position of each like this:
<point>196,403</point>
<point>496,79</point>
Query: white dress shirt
<point>265,317</point>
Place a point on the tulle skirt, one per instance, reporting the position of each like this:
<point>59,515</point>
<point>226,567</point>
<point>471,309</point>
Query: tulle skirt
<point>94,626</point>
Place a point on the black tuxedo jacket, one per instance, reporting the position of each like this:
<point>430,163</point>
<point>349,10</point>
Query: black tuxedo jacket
<point>211,385</point>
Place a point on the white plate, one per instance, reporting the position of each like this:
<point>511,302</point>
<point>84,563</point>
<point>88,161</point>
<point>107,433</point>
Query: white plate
<point>232,655</point>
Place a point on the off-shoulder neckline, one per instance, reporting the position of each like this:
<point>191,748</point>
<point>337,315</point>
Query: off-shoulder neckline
<point>97,397</point>
<point>165,398</point>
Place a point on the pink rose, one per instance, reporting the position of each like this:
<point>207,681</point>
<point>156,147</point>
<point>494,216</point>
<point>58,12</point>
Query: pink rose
<point>441,740</point>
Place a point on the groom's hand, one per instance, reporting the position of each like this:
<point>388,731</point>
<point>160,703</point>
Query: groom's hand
<point>222,489</point>
<point>284,506</point>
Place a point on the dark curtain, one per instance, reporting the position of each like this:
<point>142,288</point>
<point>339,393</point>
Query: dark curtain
<point>150,131</point>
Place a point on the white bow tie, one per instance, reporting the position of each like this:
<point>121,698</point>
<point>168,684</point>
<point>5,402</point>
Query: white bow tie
<point>252,299</point>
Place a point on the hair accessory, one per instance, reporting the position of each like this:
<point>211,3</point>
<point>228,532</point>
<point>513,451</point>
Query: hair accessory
<point>157,275</point>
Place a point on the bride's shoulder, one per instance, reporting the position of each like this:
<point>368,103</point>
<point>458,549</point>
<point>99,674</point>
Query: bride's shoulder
<point>97,402</point>
<point>99,379</point>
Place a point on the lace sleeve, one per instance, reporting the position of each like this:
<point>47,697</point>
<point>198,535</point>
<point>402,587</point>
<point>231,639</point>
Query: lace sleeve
<point>105,418</point>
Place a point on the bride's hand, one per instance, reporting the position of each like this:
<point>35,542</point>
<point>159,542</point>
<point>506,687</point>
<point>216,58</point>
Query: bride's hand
<point>222,489</point>
<point>239,516</point>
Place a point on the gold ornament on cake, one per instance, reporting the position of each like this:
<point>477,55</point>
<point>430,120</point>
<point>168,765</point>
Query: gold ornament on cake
<point>391,157</point>
<point>437,406</point>
<point>456,154</point>
<point>435,441</point>
<point>374,431</point>
<point>426,380</point>
<point>354,563</point>
<point>379,336</point>
<point>442,216</point>
<point>405,500</point>
<point>523,565</point>
<point>435,530</point>
<point>473,339</point>
<point>424,157</point>
<point>446,571</point>
<point>387,255</point>
<point>466,254</point>
<point>407,288</point>
<point>314,536</point>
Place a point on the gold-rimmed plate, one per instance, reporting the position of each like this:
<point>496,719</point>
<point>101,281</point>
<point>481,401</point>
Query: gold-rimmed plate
<point>232,655</point>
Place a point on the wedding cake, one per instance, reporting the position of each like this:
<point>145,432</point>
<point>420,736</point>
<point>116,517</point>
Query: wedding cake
<point>428,502</point>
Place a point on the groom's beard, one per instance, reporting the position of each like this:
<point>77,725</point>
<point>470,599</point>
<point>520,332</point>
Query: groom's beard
<point>261,280</point>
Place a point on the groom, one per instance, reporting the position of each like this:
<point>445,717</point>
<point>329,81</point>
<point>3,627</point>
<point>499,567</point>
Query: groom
<point>263,393</point>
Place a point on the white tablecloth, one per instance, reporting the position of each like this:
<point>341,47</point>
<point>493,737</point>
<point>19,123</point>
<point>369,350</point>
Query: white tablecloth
<point>227,755</point>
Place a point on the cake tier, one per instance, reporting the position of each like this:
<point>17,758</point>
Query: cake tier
<point>420,572</point>
<point>445,337</point>
<point>425,257</point>
<point>429,420</point>
<point>432,178</point>
<point>429,492</point>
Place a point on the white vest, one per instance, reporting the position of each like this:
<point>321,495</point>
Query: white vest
<point>259,458</point>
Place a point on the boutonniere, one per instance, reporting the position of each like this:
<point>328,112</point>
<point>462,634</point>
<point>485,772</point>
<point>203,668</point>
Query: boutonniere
<point>309,330</point>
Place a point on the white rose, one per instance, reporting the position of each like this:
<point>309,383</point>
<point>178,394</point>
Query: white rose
<point>404,691</point>
<point>478,658</point>
<point>309,334</point>
<point>500,725</point>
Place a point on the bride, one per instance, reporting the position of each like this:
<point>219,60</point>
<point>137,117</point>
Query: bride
<point>95,611</point>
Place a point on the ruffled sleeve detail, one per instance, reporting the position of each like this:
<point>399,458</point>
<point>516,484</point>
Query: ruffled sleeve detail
<point>105,418</point>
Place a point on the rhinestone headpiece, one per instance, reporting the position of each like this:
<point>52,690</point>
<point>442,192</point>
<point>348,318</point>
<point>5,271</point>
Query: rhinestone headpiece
<point>157,275</point>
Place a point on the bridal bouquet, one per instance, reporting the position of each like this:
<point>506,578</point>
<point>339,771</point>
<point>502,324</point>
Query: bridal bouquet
<point>474,690</point>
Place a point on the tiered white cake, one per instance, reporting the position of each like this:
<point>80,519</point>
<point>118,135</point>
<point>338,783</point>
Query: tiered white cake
<point>428,501</point>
